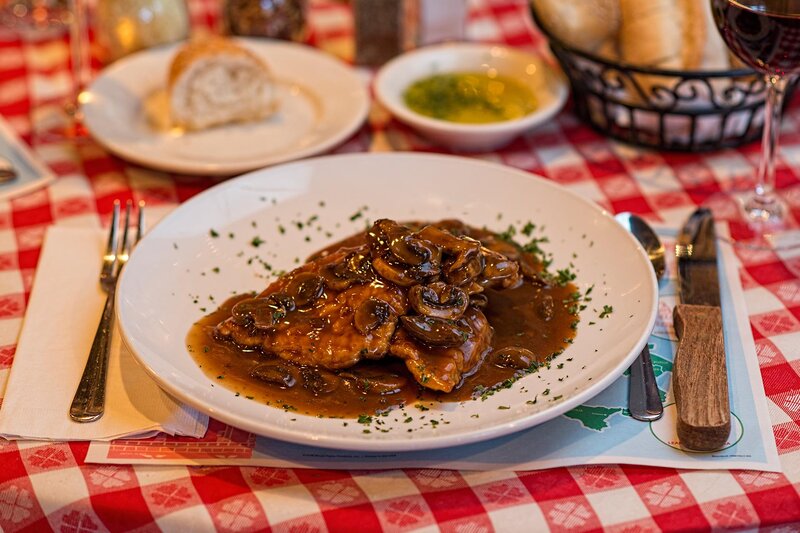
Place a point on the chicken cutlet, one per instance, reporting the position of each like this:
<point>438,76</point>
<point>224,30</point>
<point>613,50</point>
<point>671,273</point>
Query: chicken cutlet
<point>416,295</point>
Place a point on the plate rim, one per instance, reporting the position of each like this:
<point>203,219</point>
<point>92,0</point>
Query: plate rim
<point>419,442</point>
<point>187,166</point>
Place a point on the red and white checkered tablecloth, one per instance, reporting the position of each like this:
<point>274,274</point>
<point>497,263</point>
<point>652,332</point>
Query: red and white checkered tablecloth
<point>49,486</point>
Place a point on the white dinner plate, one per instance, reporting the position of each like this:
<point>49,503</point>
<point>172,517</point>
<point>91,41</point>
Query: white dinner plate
<point>321,102</point>
<point>217,243</point>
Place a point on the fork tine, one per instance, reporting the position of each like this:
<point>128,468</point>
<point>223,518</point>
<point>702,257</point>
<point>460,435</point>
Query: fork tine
<point>140,222</point>
<point>110,256</point>
<point>125,247</point>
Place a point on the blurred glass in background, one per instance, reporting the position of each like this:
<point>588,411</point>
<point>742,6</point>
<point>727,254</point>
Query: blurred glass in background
<point>125,26</point>
<point>277,19</point>
<point>41,26</point>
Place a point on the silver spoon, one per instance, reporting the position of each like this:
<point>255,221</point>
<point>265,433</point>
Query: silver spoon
<point>644,401</point>
<point>7,170</point>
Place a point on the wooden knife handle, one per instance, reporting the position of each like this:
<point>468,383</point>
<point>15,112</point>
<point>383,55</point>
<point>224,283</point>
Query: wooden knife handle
<point>700,378</point>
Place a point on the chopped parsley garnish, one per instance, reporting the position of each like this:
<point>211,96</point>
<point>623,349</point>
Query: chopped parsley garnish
<point>564,276</point>
<point>527,230</point>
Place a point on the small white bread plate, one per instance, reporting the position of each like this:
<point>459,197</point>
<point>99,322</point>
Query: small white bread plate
<point>321,102</point>
<point>182,270</point>
<point>548,87</point>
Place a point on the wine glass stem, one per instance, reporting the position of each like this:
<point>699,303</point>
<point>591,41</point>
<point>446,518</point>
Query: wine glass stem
<point>764,197</point>
<point>79,50</point>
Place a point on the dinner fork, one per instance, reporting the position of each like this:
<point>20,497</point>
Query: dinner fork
<point>89,402</point>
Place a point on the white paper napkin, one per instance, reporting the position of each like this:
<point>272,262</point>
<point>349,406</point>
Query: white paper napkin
<point>64,310</point>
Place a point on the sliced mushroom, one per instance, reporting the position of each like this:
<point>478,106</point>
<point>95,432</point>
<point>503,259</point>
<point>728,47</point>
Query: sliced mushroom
<point>506,248</point>
<point>514,357</point>
<point>438,300</point>
<point>436,331</point>
<point>426,271</point>
<point>460,249</point>
<point>414,251</point>
<point>275,373</point>
<point>375,382</point>
<point>462,259</point>
<point>381,234</point>
<point>354,268</point>
<point>305,288</point>
<point>479,300</point>
<point>465,253</point>
<point>467,272</point>
<point>371,314</point>
<point>394,273</point>
<point>262,312</point>
<point>454,226</point>
<point>499,271</point>
<point>320,382</point>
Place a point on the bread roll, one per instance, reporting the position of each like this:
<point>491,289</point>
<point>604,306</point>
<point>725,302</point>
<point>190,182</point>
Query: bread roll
<point>666,34</point>
<point>214,81</point>
<point>588,25</point>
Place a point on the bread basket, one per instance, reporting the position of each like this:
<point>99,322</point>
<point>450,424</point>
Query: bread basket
<point>673,110</point>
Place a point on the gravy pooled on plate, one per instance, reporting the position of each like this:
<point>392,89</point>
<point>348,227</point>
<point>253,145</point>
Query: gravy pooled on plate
<point>387,317</point>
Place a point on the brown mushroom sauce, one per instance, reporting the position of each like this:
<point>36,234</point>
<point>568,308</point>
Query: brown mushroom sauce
<point>531,322</point>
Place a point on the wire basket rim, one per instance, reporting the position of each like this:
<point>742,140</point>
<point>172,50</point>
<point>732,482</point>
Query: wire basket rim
<point>672,73</point>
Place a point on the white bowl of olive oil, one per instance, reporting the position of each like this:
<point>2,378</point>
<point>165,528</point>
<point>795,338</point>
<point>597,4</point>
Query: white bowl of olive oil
<point>470,97</point>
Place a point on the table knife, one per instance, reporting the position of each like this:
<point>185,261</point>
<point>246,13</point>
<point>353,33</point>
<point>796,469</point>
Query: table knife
<point>699,375</point>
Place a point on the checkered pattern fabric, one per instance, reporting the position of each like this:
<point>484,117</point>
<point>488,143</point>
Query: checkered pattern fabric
<point>50,487</point>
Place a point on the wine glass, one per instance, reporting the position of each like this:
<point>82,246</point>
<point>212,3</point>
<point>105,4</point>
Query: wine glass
<point>764,34</point>
<point>41,20</point>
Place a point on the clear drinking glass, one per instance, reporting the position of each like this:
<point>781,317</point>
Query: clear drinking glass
<point>41,20</point>
<point>764,34</point>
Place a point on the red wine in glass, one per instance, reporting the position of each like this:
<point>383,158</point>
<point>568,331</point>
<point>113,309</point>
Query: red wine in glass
<point>765,34</point>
